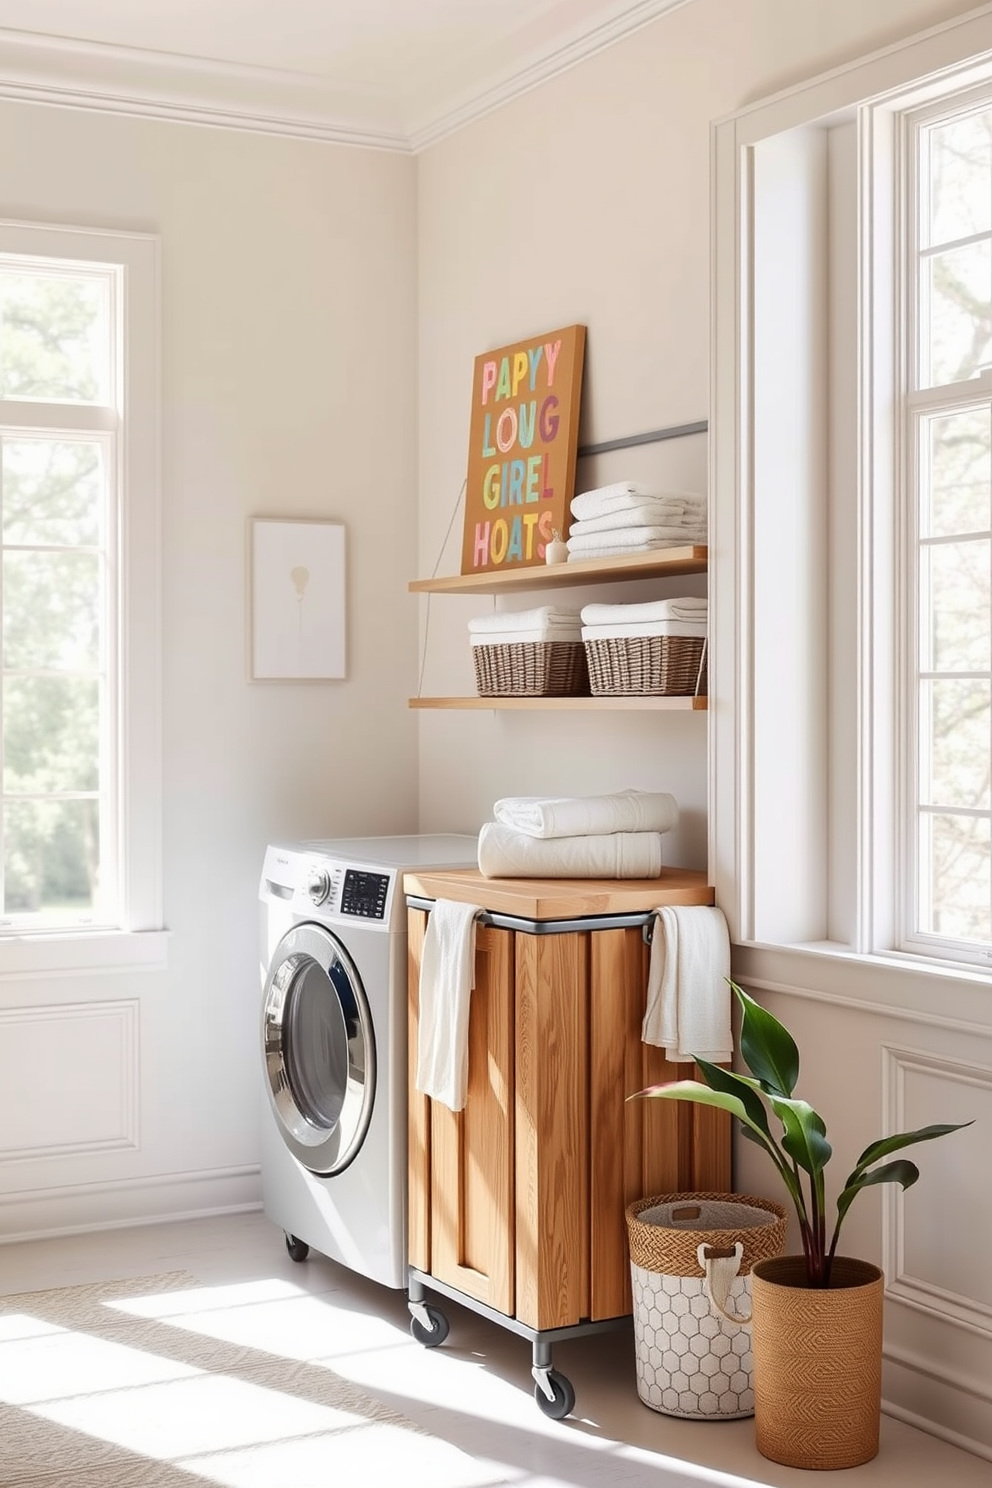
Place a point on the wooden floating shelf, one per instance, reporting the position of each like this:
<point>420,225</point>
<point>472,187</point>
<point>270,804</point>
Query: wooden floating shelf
<point>659,564</point>
<point>561,704</point>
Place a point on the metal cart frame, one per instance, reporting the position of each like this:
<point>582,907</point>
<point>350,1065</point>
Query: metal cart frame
<point>554,1393</point>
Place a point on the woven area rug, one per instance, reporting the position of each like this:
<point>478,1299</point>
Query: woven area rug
<point>115,1385</point>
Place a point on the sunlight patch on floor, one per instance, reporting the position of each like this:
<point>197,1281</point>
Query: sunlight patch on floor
<point>57,1363</point>
<point>210,1423</point>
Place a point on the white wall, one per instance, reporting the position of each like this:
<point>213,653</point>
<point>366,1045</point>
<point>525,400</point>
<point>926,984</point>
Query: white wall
<point>289,332</point>
<point>589,200</point>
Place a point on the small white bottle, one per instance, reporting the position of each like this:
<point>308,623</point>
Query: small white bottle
<point>556,551</point>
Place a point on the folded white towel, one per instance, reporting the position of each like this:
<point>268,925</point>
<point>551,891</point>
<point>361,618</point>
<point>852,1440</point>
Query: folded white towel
<point>447,976</point>
<point>516,637</point>
<point>688,997</point>
<point>653,545</point>
<point>623,496</point>
<point>688,607</point>
<point>577,816</point>
<point>691,629</point>
<point>647,514</point>
<point>615,491</point>
<point>633,537</point>
<point>504,853</point>
<point>543,615</point>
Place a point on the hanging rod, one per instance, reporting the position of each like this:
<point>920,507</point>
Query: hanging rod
<point>652,436</point>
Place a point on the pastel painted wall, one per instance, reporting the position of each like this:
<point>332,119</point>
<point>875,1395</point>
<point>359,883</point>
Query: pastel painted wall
<point>288,306</point>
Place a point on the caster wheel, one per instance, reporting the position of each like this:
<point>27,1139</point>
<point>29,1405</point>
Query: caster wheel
<point>298,1249</point>
<point>436,1333</point>
<point>564,1397</point>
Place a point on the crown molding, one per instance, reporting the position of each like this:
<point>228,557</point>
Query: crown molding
<point>159,85</point>
<point>137,83</point>
<point>514,81</point>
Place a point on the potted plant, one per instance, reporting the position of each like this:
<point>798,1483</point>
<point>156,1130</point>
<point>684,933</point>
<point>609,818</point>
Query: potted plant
<point>817,1318</point>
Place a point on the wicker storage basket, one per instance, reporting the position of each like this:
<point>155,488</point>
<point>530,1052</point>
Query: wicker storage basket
<point>690,1268</point>
<point>531,669</point>
<point>818,1356</point>
<point>641,665</point>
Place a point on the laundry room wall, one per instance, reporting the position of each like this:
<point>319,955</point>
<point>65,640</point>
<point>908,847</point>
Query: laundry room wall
<point>288,292</point>
<point>587,200</point>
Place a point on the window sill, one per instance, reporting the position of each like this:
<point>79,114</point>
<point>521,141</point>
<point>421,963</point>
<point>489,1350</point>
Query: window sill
<point>82,951</point>
<point>884,983</point>
<point>907,961</point>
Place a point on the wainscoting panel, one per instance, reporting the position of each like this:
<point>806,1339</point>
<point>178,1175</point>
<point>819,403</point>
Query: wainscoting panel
<point>936,1253</point>
<point>69,1082</point>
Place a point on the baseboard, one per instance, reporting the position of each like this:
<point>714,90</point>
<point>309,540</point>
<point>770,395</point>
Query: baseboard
<point>39,1214</point>
<point>933,1428</point>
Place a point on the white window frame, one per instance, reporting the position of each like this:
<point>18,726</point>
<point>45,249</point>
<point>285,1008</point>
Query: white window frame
<point>915,399</point>
<point>804,799</point>
<point>139,940</point>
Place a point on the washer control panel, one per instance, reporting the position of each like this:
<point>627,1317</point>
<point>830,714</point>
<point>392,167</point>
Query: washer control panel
<point>364,894</point>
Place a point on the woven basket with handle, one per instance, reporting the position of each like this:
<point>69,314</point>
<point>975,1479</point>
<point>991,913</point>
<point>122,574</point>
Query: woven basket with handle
<point>691,1256</point>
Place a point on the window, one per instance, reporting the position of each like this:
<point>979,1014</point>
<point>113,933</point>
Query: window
<point>79,673</point>
<point>948,813</point>
<point>851,548</point>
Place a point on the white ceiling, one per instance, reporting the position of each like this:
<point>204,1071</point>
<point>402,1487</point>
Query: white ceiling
<point>393,73</point>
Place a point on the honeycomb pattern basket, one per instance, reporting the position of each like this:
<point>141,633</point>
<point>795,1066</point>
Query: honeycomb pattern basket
<point>531,669</point>
<point>693,1361</point>
<point>660,666</point>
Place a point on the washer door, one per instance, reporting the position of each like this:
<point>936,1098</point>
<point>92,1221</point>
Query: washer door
<point>319,1049</point>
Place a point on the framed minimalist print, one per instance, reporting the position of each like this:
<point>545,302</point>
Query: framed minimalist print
<point>297,599</point>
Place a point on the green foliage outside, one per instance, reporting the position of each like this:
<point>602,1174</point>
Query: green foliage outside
<point>52,523</point>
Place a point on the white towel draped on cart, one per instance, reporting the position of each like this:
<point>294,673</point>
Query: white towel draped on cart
<point>447,976</point>
<point>576,816</point>
<point>688,998</point>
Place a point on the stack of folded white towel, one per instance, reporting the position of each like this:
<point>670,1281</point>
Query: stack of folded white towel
<point>660,617</point>
<point>546,623</point>
<point>610,836</point>
<point>628,518</point>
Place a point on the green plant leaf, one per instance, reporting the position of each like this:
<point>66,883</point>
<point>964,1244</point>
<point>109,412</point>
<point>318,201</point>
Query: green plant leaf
<point>805,1138</point>
<point>895,1143</point>
<point>768,1049</point>
<point>728,1100</point>
<point>723,1100</point>
<point>739,1085</point>
<point>902,1171</point>
<point>701,1095</point>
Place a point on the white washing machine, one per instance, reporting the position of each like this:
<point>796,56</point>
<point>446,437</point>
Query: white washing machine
<point>334,1047</point>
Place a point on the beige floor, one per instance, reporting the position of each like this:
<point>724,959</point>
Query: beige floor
<point>475,1391</point>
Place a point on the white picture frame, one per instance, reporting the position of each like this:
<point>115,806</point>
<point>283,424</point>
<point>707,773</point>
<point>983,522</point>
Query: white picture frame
<point>297,599</point>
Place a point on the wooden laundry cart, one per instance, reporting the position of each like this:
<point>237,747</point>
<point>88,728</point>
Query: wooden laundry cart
<point>516,1203</point>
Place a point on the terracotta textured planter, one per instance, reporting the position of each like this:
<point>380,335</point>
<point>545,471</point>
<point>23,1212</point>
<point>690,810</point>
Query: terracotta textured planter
<point>817,1363</point>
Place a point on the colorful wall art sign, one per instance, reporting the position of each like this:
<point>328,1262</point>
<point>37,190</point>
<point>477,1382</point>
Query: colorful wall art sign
<point>522,448</point>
